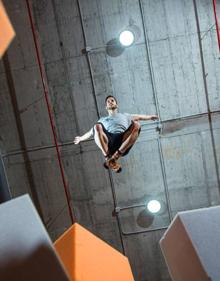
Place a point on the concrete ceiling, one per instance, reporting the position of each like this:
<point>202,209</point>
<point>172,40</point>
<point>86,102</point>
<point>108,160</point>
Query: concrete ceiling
<point>170,71</point>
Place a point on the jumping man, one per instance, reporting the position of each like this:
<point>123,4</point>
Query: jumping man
<point>115,134</point>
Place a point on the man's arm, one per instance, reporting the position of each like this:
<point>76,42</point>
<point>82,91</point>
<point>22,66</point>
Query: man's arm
<point>139,117</point>
<point>84,137</point>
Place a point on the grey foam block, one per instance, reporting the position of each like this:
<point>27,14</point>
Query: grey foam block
<point>26,251</point>
<point>191,245</point>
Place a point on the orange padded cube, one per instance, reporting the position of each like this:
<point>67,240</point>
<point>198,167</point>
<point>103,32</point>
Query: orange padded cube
<point>6,30</point>
<point>88,258</point>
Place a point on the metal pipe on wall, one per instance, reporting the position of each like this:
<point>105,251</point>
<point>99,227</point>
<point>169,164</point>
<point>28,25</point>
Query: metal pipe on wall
<point>216,22</point>
<point>166,191</point>
<point>46,95</point>
<point>207,94</point>
<point>117,213</point>
<point>159,141</point>
<point>63,144</point>
<point>98,114</point>
<point>129,233</point>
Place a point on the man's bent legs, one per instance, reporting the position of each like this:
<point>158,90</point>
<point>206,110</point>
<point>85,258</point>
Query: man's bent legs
<point>102,142</point>
<point>129,139</point>
<point>101,139</point>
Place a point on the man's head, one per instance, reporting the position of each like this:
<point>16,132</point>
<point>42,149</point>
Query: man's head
<point>111,103</point>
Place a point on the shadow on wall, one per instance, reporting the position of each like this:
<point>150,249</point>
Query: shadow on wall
<point>114,48</point>
<point>145,219</point>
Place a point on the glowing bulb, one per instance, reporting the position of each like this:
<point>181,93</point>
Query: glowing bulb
<point>126,38</point>
<point>154,206</point>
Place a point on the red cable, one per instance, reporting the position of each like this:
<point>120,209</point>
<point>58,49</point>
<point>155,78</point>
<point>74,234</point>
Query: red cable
<point>45,87</point>
<point>216,23</point>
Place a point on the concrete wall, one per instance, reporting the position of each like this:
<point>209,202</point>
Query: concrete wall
<point>167,71</point>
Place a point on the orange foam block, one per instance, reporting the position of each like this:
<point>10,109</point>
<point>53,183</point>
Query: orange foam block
<point>88,258</point>
<point>6,30</point>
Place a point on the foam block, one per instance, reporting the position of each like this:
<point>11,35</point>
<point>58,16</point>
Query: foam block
<point>6,30</point>
<point>88,258</point>
<point>26,251</point>
<point>191,245</point>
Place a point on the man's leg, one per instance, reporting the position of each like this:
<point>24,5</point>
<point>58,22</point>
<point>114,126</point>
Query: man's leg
<point>129,139</point>
<point>102,142</point>
<point>101,139</point>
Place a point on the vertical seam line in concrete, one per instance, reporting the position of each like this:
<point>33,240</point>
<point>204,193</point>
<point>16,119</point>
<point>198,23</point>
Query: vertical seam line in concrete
<point>19,125</point>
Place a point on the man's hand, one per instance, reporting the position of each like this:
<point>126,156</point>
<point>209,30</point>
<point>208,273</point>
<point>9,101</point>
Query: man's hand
<point>154,117</point>
<point>84,137</point>
<point>77,140</point>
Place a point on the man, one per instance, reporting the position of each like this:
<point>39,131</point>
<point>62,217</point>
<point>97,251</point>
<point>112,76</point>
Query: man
<point>115,134</point>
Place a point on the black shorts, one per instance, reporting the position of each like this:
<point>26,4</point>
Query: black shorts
<point>115,140</point>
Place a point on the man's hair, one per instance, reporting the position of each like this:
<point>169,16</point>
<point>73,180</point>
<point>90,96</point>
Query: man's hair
<point>110,96</point>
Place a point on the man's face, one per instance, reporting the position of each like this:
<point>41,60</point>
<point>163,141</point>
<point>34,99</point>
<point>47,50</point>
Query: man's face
<point>111,104</point>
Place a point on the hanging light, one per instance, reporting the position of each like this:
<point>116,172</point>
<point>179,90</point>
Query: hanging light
<point>154,206</point>
<point>126,38</point>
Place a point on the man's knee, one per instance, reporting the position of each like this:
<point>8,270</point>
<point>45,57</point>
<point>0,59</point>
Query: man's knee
<point>98,128</point>
<point>136,126</point>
